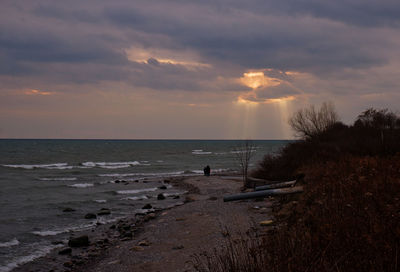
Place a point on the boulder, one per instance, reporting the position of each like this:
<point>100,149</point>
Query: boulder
<point>80,241</point>
<point>65,251</point>
<point>160,197</point>
<point>104,211</point>
<point>90,216</point>
<point>147,206</point>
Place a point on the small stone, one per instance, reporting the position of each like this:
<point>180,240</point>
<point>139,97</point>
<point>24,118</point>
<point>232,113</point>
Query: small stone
<point>178,247</point>
<point>143,243</point>
<point>80,241</point>
<point>189,199</point>
<point>147,206</point>
<point>114,262</point>
<point>180,219</point>
<point>117,181</point>
<point>65,251</point>
<point>104,212</point>
<point>160,197</point>
<point>176,197</point>
<point>162,187</point>
<point>213,198</point>
<point>127,234</point>
<point>266,223</point>
<point>68,264</point>
<point>137,248</point>
<point>149,216</point>
<point>90,216</point>
<point>69,210</point>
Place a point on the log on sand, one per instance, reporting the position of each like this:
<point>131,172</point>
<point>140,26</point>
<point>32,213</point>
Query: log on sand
<point>264,193</point>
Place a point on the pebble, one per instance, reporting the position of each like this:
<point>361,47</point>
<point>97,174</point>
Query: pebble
<point>178,247</point>
<point>266,223</point>
<point>143,243</point>
<point>137,248</point>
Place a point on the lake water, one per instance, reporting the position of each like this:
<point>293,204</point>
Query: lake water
<point>39,179</point>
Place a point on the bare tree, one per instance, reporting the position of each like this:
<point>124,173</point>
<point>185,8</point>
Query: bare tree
<point>244,154</point>
<point>310,122</point>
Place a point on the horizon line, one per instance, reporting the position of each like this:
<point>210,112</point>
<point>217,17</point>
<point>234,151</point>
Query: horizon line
<point>145,139</point>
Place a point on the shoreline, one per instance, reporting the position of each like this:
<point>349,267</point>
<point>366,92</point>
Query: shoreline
<point>142,242</point>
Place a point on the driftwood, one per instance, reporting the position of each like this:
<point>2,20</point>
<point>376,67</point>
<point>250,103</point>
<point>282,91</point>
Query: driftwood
<point>263,181</point>
<point>276,185</point>
<point>264,193</point>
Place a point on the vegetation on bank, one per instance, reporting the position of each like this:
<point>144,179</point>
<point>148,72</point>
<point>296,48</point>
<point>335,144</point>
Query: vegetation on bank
<point>348,218</point>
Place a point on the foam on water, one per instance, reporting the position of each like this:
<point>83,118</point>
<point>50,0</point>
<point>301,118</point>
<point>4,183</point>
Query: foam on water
<point>58,179</point>
<point>64,230</point>
<point>200,152</point>
<point>166,174</point>
<point>81,185</point>
<point>100,200</point>
<point>38,249</point>
<point>13,242</point>
<point>126,192</point>
<point>61,165</point>
<point>111,165</point>
<point>141,197</point>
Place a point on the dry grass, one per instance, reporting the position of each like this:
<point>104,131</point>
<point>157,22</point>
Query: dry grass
<point>348,219</point>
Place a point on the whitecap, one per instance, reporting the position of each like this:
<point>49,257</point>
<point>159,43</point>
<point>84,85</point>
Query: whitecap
<point>201,152</point>
<point>49,232</point>
<point>117,175</point>
<point>141,197</point>
<point>58,179</point>
<point>61,166</point>
<point>13,242</point>
<point>39,251</point>
<point>110,165</point>
<point>64,230</point>
<point>114,166</point>
<point>81,185</point>
<point>125,192</point>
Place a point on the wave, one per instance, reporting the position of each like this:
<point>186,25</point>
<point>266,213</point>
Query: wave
<point>13,242</point>
<point>64,230</point>
<point>60,166</point>
<point>116,175</point>
<point>58,179</point>
<point>100,200</point>
<point>200,152</point>
<point>125,192</point>
<point>111,165</point>
<point>141,197</point>
<point>81,185</point>
<point>40,250</point>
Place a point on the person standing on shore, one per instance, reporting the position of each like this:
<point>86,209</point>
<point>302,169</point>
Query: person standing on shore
<point>207,171</point>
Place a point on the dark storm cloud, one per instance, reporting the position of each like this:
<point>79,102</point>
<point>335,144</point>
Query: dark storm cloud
<point>250,39</point>
<point>85,41</point>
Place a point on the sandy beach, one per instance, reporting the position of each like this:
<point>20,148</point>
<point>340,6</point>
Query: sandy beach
<point>164,240</point>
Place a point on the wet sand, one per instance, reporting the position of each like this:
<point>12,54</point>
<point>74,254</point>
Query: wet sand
<point>168,239</point>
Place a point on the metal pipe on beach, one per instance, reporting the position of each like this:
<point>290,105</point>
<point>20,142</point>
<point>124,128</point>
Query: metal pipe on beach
<point>264,193</point>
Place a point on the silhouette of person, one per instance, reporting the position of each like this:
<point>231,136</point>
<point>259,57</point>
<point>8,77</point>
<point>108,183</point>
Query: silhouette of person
<point>207,171</point>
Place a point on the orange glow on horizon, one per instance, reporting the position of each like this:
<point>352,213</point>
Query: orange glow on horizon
<point>37,92</point>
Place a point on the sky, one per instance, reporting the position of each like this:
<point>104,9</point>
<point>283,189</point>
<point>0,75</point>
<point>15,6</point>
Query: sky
<point>220,69</point>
